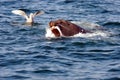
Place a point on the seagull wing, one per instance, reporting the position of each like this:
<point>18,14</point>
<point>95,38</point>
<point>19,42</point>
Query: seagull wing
<point>38,13</point>
<point>20,12</point>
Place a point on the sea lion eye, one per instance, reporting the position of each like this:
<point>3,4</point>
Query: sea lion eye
<point>61,22</point>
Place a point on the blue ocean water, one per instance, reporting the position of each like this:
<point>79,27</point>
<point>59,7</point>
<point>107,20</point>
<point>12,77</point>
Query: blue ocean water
<point>26,54</point>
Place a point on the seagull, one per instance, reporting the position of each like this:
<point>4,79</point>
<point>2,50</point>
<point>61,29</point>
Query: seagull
<point>29,18</point>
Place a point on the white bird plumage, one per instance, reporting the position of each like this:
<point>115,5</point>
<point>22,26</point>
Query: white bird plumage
<point>29,18</point>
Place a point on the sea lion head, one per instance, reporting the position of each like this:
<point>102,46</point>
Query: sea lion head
<point>65,28</point>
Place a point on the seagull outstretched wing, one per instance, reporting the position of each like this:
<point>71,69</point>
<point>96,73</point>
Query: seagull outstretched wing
<point>38,13</point>
<point>20,12</point>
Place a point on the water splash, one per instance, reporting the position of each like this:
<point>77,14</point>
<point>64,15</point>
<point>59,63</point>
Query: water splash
<point>94,34</point>
<point>49,33</point>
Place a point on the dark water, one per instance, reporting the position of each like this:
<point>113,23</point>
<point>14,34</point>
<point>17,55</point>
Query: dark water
<point>25,53</point>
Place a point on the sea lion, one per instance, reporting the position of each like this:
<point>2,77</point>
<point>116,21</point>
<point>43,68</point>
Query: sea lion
<point>63,28</point>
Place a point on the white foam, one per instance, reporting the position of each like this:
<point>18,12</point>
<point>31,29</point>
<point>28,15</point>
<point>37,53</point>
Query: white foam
<point>94,34</point>
<point>49,33</point>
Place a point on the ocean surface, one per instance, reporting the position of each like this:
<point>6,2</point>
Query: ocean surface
<point>26,53</point>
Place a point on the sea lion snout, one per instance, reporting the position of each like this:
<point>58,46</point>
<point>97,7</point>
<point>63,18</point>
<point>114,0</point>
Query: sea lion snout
<point>55,28</point>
